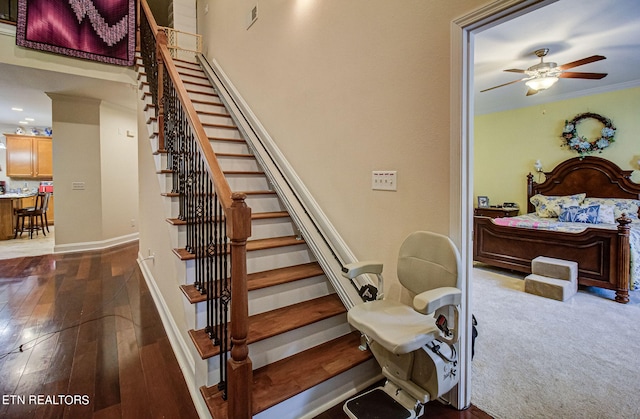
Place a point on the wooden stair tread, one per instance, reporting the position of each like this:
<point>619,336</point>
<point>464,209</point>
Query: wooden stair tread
<point>193,295</point>
<point>283,379</point>
<point>207,102</point>
<point>221,126</point>
<point>254,216</point>
<point>236,155</point>
<point>259,244</point>
<point>263,192</point>
<point>243,172</point>
<point>264,279</point>
<point>270,243</point>
<point>284,275</point>
<point>231,140</point>
<point>272,323</point>
<point>210,113</point>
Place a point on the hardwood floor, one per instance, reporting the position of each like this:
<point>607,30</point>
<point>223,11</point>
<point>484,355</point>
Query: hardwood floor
<point>80,337</point>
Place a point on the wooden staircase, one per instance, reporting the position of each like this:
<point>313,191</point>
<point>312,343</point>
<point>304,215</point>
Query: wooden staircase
<point>300,341</point>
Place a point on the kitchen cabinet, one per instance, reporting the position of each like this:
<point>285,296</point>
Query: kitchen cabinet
<point>29,156</point>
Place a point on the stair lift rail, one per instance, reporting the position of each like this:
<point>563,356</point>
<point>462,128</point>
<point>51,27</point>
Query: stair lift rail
<point>218,221</point>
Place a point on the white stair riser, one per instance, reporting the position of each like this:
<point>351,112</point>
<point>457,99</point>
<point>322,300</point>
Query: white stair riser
<point>264,203</point>
<point>272,227</point>
<point>207,107</point>
<point>264,260</point>
<point>194,77</point>
<point>267,299</point>
<point>160,160</point>
<point>190,71</point>
<point>215,119</point>
<point>198,89</point>
<point>165,182</point>
<point>208,97</point>
<point>238,163</point>
<point>179,236</point>
<point>229,147</point>
<point>217,132</point>
<point>283,295</point>
<point>247,182</point>
<point>282,346</point>
<point>260,229</point>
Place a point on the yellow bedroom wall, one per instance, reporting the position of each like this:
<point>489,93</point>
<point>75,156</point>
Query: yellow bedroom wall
<point>508,143</point>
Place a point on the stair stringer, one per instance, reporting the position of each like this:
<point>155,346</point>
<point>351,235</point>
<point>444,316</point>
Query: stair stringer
<point>322,238</point>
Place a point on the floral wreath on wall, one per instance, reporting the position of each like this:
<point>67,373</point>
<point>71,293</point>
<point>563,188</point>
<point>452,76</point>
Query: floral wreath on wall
<point>581,144</point>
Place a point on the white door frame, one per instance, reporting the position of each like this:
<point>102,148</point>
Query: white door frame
<point>463,31</point>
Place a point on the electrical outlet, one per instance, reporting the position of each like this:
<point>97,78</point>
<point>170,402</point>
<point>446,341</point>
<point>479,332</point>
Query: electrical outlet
<point>384,180</point>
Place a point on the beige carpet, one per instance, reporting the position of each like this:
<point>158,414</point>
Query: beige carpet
<point>542,358</point>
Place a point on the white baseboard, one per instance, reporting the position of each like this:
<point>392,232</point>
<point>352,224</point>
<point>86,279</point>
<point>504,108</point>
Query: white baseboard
<point>96,245</point>
<point>179,346</point>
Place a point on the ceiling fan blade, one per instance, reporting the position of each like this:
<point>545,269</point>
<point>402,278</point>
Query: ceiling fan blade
<point>583,61</point>
<point>532,92</point>
<point>505,84</point>
<point>515,70</point>
<point>577,75</point>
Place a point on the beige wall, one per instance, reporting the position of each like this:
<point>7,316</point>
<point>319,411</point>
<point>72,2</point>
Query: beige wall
<point>507,144</point>
<point>88,148</point>
<point>119,170</point>
<point>76,158</point>
<point>344,88</point>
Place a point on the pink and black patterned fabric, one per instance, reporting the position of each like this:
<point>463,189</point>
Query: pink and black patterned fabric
<point>99,30</point>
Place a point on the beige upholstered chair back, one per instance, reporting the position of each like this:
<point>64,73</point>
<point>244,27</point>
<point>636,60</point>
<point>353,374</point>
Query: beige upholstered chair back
<point>427,261</point>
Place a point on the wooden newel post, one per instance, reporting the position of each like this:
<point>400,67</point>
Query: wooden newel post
<point>240,372</point>
<point>622,290</point>
<point>161,40</point>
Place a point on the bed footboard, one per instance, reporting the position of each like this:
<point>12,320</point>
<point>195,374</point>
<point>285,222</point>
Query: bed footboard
<point>602,255</point>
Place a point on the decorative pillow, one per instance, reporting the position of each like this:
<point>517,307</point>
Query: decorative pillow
<point>584,214</point>
<point>549,206</point>
<point>606,214</point>
<point>620,206</point>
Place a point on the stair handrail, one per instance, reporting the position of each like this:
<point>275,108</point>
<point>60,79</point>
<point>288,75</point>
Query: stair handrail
<point>213,167</point>
<point>238,216</point>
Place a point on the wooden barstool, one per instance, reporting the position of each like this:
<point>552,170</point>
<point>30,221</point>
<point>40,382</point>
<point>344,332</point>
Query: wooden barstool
<point>35,214</point>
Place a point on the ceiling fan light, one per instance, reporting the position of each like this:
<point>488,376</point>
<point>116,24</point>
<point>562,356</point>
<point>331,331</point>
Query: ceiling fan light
<point>541,83</point>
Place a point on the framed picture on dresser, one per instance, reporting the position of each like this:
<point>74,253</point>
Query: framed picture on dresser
<point>483,201</point>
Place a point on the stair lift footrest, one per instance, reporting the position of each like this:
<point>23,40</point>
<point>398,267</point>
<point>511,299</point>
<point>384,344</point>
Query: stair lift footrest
<point>376,404</point>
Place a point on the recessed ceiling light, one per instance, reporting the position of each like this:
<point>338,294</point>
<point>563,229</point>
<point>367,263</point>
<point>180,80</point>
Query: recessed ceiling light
<point>17,109</point>
<point>23,122</point>
<point>29,119</point>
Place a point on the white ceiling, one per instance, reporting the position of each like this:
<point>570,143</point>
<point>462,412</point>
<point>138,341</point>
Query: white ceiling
<point>25,88</point>
<point>572,30</point>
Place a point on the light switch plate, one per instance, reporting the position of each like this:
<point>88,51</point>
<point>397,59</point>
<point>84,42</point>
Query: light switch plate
<point>384,180</point>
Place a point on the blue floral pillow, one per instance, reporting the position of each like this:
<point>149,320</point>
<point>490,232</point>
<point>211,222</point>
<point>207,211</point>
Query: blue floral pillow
<point>549,206</point>
<point>584,214</point>
<point>620,206</point>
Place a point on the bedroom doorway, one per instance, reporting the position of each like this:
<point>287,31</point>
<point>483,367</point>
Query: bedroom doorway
<point>462,155</point>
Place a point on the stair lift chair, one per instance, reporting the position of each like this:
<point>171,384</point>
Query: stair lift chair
<point>416,346</point>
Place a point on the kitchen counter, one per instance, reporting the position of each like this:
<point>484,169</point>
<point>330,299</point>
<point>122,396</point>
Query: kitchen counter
<point>8,202</point>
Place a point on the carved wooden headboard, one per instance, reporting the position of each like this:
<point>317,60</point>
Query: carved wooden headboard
<point>595,176</point>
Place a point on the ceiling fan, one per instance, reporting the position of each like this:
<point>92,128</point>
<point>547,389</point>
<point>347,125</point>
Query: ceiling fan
<point>545,74</point>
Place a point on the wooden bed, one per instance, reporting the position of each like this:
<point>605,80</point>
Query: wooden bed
<point>603,256</point>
